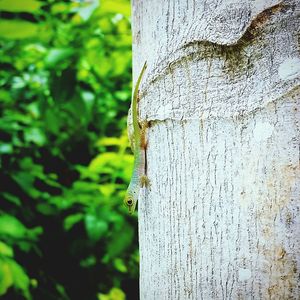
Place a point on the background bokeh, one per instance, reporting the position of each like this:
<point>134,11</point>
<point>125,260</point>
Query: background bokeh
<point>65,89</point>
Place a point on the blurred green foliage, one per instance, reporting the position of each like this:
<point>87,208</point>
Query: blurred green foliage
<point>65,163</point>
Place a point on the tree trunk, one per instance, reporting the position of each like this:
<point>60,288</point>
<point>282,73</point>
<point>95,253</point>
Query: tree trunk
<point>221,218</point>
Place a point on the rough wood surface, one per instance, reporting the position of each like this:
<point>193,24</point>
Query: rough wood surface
<point>222,217</point>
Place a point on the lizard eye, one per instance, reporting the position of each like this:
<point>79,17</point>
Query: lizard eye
<point>129,201</point>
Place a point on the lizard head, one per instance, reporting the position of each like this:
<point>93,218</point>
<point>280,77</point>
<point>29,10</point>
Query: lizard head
<point>130,202</point>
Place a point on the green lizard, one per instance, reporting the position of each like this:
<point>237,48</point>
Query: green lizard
<point>139,178</point>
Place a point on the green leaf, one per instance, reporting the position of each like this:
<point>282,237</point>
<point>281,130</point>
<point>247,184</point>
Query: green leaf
<point>114,294</point>
<point>6,148</point>
<point>6,250</point>
<point>107,189</point>
<point>35,135</point>
<point>120,265</point>
<point>123,95</point>
<point>10,226</point>
<point>46,209</point>
<point>6,277</point>
<point>115,7</point>
<point>57,55</point>
<point>60,8</point>
<point>62,292</point>
<point>121,240</point>
<point>109,141</point>
<point>25,180</point>
<point>86,173</point>
<point>11,198</point>
<point>85,10</point>
<point>52,121</point>
<point>84,186</point>
<point>20,5</point>
<point>20,278</point>
<point>5,96</point>
<point>88,262</point>
<point>109,161</point>
<point>71,220</point>
<point>95,227</point>
<point>11,29</point>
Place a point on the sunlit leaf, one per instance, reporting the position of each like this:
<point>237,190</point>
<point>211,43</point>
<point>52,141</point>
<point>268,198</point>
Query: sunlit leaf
<point>6,148</point>
<point>61,7</point>
<point>6,276</point>
<point>89,99</point>
<point>101,160</point>
<point>11,226</point>
<point>107,189</point>
<point>120,265</point>
<point>11,29</point>
<point>20,5</point>
<point>57,55</point>
<point>123,95</point>
<point>86,9</point>
<point>35,135</point>
<point>114,294</point>
<point>20,278</point>
<point>85,172</point>
<point>6,250</point>
<point>85,186</point>
<point>110,160</point>
<point>115,7</point>
<point>109,141</point>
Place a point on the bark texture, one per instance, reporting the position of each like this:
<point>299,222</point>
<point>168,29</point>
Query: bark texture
<point>221,219</point>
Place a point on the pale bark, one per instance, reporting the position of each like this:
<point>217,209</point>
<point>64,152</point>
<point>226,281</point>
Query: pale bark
<point>221,219</point>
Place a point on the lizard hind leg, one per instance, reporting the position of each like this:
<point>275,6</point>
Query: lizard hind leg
<point>144,124</point>
<point>144,180</point>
